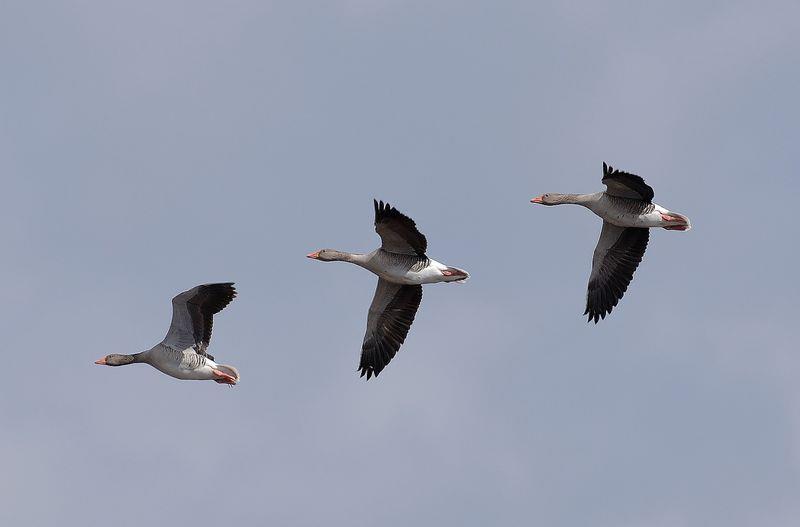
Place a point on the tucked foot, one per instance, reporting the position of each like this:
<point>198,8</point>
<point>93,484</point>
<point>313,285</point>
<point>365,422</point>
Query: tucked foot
<point>675,222</point>
<point>454,274</point>
<point>224,378</point>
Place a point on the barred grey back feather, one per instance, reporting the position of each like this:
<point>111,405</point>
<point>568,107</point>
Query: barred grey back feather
<point>631,205</point>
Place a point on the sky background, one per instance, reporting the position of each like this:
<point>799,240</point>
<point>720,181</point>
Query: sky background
<point>146,147</point>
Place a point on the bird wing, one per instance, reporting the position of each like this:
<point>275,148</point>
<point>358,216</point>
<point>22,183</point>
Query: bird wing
<point>398,232</point>
<point>616,257</point>
<point>390,317</point>
<point>193,316</point>
<point>625,185</point>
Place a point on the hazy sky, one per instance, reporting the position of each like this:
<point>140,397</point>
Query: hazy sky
<point>146,147</point>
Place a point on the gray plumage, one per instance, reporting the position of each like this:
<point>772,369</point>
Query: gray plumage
<point>183,351</point>
<point>193,316</point>
<point>402,266</point>
<point>391,314</point>
<point>626,185</point>
<point>616,257</point>
<point>398,232</point>
<point>628,214</point>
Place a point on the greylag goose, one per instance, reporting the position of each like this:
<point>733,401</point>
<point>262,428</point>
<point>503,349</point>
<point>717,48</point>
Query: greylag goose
<point>183,353</point>
<point>628,214</point>
<point>402,267</point>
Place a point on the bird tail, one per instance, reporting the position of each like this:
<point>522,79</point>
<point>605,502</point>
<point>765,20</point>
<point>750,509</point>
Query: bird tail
<point>682,223</point>
<point>230,370</point>
<point>454,274</point>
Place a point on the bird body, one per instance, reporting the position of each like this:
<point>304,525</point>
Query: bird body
<point>182,353</point>
<point>402,267</point>
<point>628,213</point>
<point>405,269</point>
<point>621,211</point>
<point>182,364</point>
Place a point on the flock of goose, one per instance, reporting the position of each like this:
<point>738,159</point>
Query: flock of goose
<point>402,266</point>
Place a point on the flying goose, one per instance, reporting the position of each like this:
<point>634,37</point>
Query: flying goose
<point>628,214</point>
<point>183,353</point>
<point>402,267</point>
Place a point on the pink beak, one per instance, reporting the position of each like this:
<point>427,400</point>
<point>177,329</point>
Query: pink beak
<point>314,255</point>
<point>101,361</point>
<point>537,199</point>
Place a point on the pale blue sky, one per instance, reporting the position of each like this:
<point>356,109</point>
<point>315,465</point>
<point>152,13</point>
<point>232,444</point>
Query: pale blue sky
<point>146,147</point>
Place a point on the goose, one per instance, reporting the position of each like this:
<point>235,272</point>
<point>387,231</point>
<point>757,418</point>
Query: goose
<point>402,267</point>
<point>628,214</point>
<point>183,353</point>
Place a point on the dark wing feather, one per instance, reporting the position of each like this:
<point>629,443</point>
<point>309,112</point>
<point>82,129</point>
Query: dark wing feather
<point>209,300</point>
<point>616,257</point>
<point>398,232</point>
<point>390,317</point>
<point>625,185</point>
<point>193,315</point>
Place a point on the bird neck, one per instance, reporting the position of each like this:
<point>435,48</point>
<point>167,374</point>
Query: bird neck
<point>576,199</point>
<point>121,359</point>
<point>143,356</point>
<point>342,256</point>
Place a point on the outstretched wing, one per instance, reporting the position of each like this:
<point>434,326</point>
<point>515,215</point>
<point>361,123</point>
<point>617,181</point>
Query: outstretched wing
<point>625,185</point>
<point>616,257</point>
<point>390,317</point>
<point>193,316</point>
<point>398,232</point>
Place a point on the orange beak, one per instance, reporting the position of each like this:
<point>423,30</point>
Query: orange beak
<point>314,255</point>
<point>101,361</point>
<point>537,199</point>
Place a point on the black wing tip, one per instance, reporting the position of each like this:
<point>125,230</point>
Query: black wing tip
<point>595,315</point>
<point>374,359</point>
<point>384,210</point>
<point>220,285</point>
<point>369,371</point>
<point>387,210</point>
<point>223,288</point>
<point>609,170</point>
